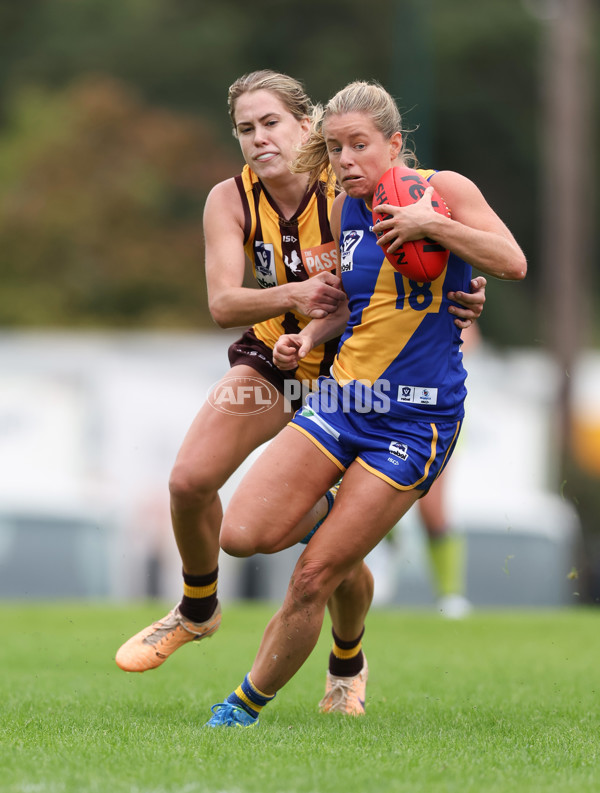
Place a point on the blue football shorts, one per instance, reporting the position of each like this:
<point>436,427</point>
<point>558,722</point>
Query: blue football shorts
<point>406,454</point>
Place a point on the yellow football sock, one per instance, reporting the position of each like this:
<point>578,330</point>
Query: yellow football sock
<point>448,555</point>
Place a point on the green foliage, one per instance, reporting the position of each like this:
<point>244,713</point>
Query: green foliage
<point>498,702</point>
<point>101,199</point>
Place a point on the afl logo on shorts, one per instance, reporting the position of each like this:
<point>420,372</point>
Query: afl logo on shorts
<point>399,449</point>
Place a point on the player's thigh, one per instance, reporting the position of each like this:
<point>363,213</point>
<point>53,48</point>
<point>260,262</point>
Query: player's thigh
<point>365,509</point>
<point>276,492</point>
<point>226,431</point>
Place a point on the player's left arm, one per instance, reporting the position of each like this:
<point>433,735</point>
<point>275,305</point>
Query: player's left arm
<point>474,232</point>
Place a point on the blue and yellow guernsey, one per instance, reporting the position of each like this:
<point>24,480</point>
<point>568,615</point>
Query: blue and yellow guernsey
<point>283,250</point>
<point>400,336</point>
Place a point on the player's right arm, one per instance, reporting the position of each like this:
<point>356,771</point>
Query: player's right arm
<point>230,303</point>
<point>290,348</point>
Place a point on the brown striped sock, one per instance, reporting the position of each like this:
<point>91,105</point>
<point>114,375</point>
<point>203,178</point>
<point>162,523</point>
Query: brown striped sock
<point>346,658</point>
<point>199,596</point>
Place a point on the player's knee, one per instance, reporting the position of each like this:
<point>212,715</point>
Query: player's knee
<point>245,535</point>
<point>358,580</point>
<point>312,583</point>
<point>189,487</point>
<point>237,539</point>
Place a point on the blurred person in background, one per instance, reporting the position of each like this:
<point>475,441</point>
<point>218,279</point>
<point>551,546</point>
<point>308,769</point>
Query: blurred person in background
<point>280,223</point>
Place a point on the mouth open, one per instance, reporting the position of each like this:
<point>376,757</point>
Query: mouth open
<point>266,156</point>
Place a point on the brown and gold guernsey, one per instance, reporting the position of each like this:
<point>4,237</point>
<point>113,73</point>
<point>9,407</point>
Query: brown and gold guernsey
<point>285,250</point>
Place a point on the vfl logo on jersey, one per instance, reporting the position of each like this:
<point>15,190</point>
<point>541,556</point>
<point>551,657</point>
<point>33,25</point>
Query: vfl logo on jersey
<point>264,264</point>
<point>417,395</point>
<point>320,259</point>
<point>350,239</point>
<point>399,449</point>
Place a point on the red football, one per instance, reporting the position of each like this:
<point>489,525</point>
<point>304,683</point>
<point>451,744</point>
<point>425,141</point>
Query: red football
<point>419,260</point>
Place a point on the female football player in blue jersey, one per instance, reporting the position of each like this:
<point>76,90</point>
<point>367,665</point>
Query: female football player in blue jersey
<point>389,416</point>
<point>280,223</point>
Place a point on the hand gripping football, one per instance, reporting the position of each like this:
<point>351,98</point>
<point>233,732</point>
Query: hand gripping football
<point>419,260</point>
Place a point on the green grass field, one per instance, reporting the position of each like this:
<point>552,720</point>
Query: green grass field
<point>502,702</point>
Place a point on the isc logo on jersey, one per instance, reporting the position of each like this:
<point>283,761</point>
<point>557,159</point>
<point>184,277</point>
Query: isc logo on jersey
<point>320,259</point>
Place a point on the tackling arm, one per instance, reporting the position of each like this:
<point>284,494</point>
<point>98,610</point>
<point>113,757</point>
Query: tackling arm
<point>233,305</point>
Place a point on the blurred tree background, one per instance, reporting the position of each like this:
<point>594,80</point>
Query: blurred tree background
<point>114,126</point>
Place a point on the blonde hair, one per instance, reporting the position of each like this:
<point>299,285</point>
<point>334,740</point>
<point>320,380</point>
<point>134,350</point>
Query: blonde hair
<point>289,90</point>
<point>357,97</point>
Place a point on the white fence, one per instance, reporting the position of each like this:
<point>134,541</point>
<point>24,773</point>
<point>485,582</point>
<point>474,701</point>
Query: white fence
<point>90,425</point>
